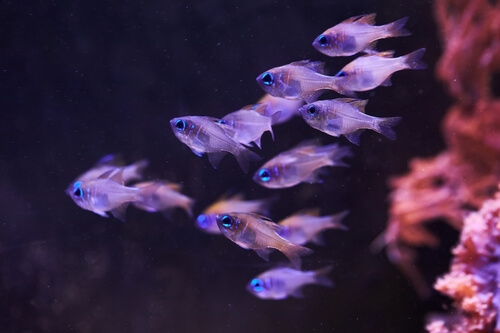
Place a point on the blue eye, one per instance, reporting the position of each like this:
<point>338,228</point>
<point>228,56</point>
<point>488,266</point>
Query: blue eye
<point>341,74</point>
<point>323,40</point>
<point>202,221</point>
<point>257,285</point>
<point>77,190</point>
<point>222,121</point>
<point>226,221</point>
<point>267,78</point>
<point>312,110</point>
<point>180,125</point>
<point>264,175</point>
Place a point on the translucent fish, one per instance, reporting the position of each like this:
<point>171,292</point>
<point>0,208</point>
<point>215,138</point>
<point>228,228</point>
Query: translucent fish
<point>357,34</point>
<point>300,164</point>
<point>307,226</point>
<point>280,283</point>
<point>346,116</point>
<point>370,71</point>
<point>207,222</point>
<point>247,125</point>
<point>165,198</point>
<point>204,135</point>
<point>132,172</point>
<point>288,108</point>
<point>256,232</point>
<point>107,193</point>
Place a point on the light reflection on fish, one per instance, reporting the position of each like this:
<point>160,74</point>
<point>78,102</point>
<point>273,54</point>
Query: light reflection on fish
<point>166,197</point>
<point>204,135</point>
<point>346,116</point>
<point>300,164</point>
<point>280,283</point>
<point>256,232</point>
<point>357,34</point>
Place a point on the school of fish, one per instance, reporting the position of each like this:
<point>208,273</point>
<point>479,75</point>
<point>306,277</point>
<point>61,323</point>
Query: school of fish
<point>293,89</point>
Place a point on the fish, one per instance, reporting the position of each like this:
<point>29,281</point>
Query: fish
<point>207,221</point>
<point>248,125</point>
<point>280,283</point>
<point>347,117</point>
<point>357,34</point>
<point>107,193</point>
<point>306,226</point>
<point>166,197</point>
<point>300,164</point>
<point>288,108</point>
<point>370,71</point>
<point>132,172</point>
<point>259,233</point>
<point>299,80</point>
<point>203,135</point>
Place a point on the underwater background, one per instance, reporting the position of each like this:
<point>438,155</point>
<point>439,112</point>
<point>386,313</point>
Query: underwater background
<point>81,80</point>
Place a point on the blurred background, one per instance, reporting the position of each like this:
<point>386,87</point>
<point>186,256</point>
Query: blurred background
<point>79,80</point>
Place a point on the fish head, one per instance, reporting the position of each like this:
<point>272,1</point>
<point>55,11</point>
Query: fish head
<point>268,176</point>
<point>207,223</point>
<point>274,82</point>
<point>80,194</point>
<point>230,225</point>
<point>258,287</point>
<point>313,113</point>
<point>183,127</point>
<point>335,43</point>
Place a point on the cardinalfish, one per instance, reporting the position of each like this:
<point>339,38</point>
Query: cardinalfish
<point>248,125</point>
<point>357,34</point>
<point>280,283</point>
<point>346,116</point>
<point>256,232</point>
<point>288,108</point>
<point>204,135</point>
<point>166,197</point>
<point>300,164</point>
<point>306,226</point>
<point>207,222</point>
<point>132,172</point>
<point>107,193</point>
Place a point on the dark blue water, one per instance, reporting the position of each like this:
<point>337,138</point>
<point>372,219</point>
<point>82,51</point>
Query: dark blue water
<point>81,80</point>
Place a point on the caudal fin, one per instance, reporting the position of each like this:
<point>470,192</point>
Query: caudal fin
<point>293,252</point>
<point>335,220</point>
<point>321,276</point>
<point>336,153</point>
<point>384,126</point>
<point>396,28</point>
<point>412,60</point>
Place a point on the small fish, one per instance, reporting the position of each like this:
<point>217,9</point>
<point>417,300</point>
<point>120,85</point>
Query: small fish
<point>256,232</point>
<point>165,198</point>
<point>248,125</point>
<point>346,116</point>
<point>357,34</point>
<point>107,193</point>
<point>370,71</point>
<point>288,108</point>
<point>300,80</point>
<point>204,135</point>
<point>207,222</point>
<point>279,283</point>
<point>300,164</point>
<point>306,226</point>
<point>132,172</point>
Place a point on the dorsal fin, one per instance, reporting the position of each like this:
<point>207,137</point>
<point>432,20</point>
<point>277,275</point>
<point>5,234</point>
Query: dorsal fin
<point>385,54</point>
<point>115,174</point>
<point>366,19</point>
<point>317,66</point>
<point>357,103</point>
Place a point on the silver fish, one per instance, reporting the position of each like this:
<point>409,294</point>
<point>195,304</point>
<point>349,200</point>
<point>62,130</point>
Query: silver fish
<point>307,226</point>
<point>357,34</point>
<point>280,283</point>
<point>107,193</point>
<point>204,135</point>
<point>132,172</point>
<point>166,197</point>
<point>300,164</point>
<point>370,71</point>
<point>346,116</point>
<point>256,232</point>
<point>207,222</point>
<point>248,125</point>
<point>288,108</point>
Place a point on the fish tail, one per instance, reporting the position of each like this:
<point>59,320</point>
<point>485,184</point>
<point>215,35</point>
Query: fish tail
<point>137,169</point>
<point>321,276</point>
<point>335,220</point>
<point>413,60</point>
<point>145,197</point>
<point>384,126</point>
<point>293,252</point>
<point>396,28</point>
<point>244,156</point>
<point>337,153</point>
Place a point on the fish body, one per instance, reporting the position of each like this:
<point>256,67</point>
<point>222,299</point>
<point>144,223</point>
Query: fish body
<point>165,198</point>
<point>207,221</point>
<point>280,283</point>
<point>256,232</point>
<point>132,172</point>
<point>370,71</point>
<point>300,80</point>
<point>204,135</point>
<point>107,193</point>
<point>299,164</point>
<point>346,116</point>
<point>306,226</point>
<point>357,34</point>
<point>288,108</point>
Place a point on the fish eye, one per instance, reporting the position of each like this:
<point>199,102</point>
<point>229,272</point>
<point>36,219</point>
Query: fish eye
<point>226,221</point>
<point>180,124</point>
<point>312,110</point>
<point>202,221</point>
<point>267,78</point>
<point>77,190</point>
<point>264,175</point>
<point>222,121</point>
<point>257,285</point>
<point>341,74</point>
<point>322,40</point>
